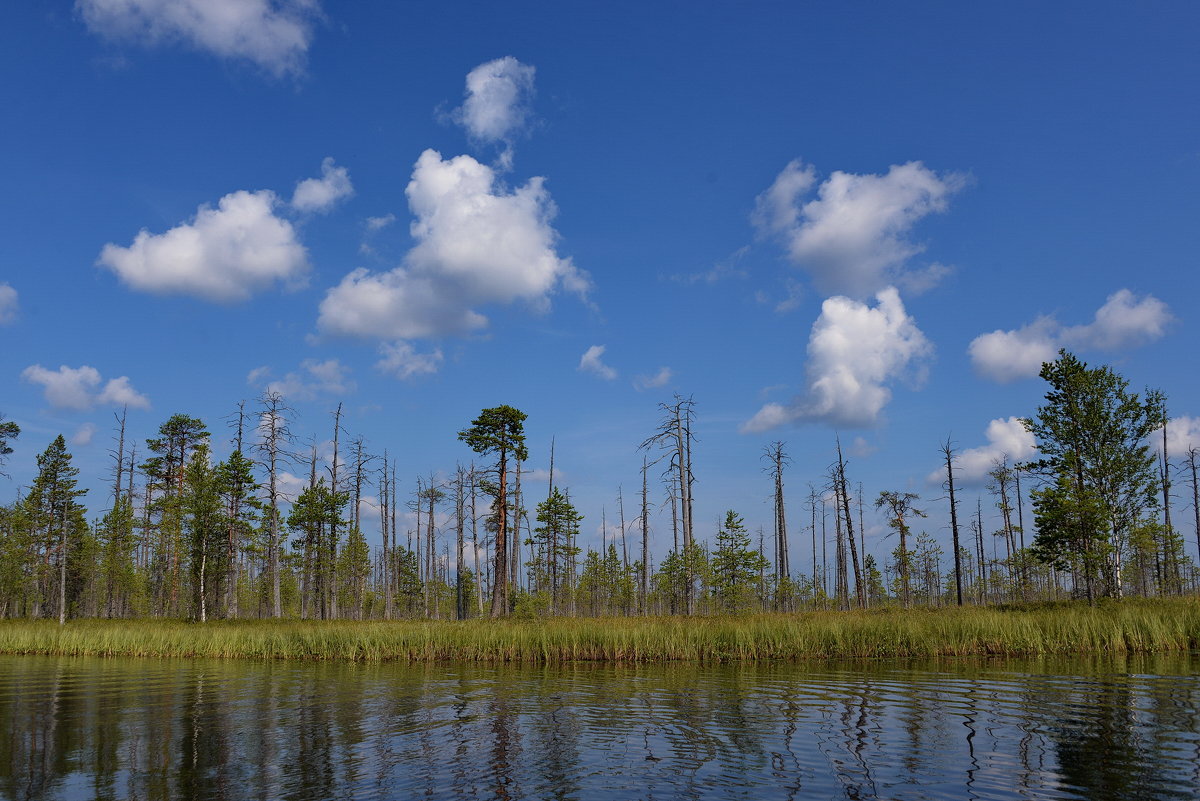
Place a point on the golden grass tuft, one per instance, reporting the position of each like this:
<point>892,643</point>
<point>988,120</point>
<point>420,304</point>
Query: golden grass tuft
<point>1129,626</point>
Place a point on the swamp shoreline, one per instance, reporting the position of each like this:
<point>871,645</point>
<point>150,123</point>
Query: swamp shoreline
<point>1129,626</point>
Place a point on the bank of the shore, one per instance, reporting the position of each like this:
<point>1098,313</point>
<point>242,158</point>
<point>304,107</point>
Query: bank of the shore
<point>1066,628</point>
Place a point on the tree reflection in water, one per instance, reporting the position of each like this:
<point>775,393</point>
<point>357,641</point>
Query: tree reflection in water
<point>161,729</point>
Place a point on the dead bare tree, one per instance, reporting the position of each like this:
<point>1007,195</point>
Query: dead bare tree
<point>948,452</point>
<point>275,437</point>
<point>674,436</point>
<point>778,459</point>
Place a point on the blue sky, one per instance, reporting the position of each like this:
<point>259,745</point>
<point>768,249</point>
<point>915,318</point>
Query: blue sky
<point>813,218</point>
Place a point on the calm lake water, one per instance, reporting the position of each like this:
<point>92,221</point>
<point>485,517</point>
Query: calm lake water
<point>165,729</point>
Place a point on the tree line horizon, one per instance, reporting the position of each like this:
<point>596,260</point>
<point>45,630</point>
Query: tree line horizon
<point>184,537</point>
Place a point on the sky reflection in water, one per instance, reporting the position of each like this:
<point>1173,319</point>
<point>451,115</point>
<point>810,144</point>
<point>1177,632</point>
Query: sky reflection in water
<point>157,729</point>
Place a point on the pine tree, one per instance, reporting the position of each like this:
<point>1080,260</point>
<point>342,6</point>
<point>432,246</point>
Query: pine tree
<point>8,432</point>
<point>559,527</point>
<point>204,524</point>
<point>735,565</point>
<point>53,515</point>
<point>501,431</point>
<point>354,566</point>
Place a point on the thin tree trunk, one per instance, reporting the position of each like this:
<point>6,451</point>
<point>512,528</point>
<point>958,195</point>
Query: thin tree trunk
<point>948,451</point>
<point>859,587</point>
<point>645,540</point>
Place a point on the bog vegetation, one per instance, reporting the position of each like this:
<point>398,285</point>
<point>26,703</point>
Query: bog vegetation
<point>182,536</point>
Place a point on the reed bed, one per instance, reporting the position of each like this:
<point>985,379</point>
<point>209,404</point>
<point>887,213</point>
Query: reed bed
<point>1129,626</point>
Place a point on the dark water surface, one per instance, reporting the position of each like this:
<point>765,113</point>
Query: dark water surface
<point>1110,728</point>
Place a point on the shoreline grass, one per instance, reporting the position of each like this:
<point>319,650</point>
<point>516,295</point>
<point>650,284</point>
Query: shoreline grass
<point>1130,626</point>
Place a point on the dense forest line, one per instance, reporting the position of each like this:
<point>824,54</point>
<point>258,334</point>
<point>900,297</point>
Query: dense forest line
<point>182,536</point>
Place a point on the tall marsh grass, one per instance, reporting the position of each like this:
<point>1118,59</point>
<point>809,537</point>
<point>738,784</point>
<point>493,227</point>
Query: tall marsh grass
<point>1064,628</point>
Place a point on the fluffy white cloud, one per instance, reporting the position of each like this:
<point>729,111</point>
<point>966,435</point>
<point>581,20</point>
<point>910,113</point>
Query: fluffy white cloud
<point>854,352</point>
<point>402,360</point>
<point>476,244</point>
<point>73,388</point>
<point>8,304</point>
<point>590,362</point>
<point>314,379</point>
<point>1183,434</point>
<point>1007,438</point>
<point>67,387</point>
<point>853,237</point>
<point>776,210</point>
<point>1008,355</point>
<point>322,194</point>
<point>83,435</point>
<point>1124,321</point>
<point>274,34</point>
<point>497,102</point>
<point>288,485</point>
<point>659,379</point>
<point>119,392</point>
<point>225,254</point>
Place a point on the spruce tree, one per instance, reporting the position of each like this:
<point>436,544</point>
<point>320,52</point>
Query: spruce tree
<point>500,431</point>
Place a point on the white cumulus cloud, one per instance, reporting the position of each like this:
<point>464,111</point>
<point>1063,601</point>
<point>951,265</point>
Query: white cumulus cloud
<point>853,238</point>
<point>83,435</point>
<point>1007,438</point>
<point>1008,355</point>
<point>314,379</point>
<point>119,392</point>
<point>497,102</point>
<point>74,388</point>
<point>322,194</point>
<point>477,244</point>
<point>8,303</point>
<point>1124,321</point>
<point>225,254</point>
<point>403,361</point>
<point>274,34</point>
<point>591,362</point>
<point>1183,434</point>
<point>659,379</point>
<point>855,352</point>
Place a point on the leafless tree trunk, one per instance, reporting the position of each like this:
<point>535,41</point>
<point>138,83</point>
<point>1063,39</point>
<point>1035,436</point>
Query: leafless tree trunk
<point>385,534</point>
<point>778,460</point>
<point>275,437</point>
<point>645,577</point>
<point>475,542</point>
<point>859,586</point>
<point>1193,461</point>
<point>514,562</point>
<point>333,521</point>
<point>675,435</point>
<point>948,452</point>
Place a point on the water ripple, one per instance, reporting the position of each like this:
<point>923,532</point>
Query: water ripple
<point>163,729</point>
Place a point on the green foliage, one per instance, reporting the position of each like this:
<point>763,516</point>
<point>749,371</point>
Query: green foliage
<point>1092,434</point>
<point>735,566</point>
<point>499,430</point>
<point>559,529</point>
<point>203,524</point>
<point>354,566</point>
<point>8,432</point>
<point>407,580</point>
<point>605,586</point>
<point>315,516</point>
<point>677,571</point>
